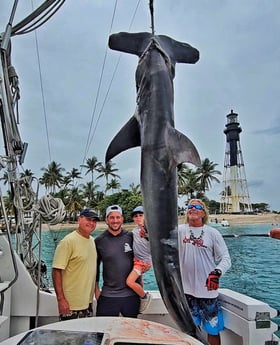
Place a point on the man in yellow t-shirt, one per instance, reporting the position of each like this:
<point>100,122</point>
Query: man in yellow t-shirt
<point>74,269</point>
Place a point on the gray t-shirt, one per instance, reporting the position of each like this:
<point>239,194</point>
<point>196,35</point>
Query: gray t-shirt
<point>141,247</point>
<point>116,255</point>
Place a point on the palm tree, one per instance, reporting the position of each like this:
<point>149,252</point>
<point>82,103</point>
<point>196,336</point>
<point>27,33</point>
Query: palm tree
<point>108,170</point>
<point>183,174</point>
<point>206,174</point>
<point>8,203</point>
<point>89,190</point>
<point>27,177</point>
<point>66,180</point>
<point>75,202</point>
<point>98,197</point>
<point>113,184</point>
<point>187,182</point>
<point>74,173</point>
<point>64,195</point>
<point>92,165</point>
<point>135,189</point>
<point>52,176</point>
<point>27,172</point>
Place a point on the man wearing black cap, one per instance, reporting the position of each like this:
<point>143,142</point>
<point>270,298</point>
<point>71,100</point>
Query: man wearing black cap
<point>74,269</point>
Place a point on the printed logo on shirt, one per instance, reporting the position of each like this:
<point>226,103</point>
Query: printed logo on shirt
<point>127,248</point>
<point>194,241</point>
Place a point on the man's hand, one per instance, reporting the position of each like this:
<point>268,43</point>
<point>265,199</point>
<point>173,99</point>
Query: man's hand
<point>63,306</point>
<point>143,232</point>
<point>212,282</point>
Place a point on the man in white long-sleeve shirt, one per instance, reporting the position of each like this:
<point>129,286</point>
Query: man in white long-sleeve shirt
<point>204,258</point>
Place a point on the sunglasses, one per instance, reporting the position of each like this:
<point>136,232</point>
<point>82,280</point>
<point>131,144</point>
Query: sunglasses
<point>198,207</point>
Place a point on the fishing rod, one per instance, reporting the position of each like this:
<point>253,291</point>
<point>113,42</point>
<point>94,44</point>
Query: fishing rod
<point>274,233</point>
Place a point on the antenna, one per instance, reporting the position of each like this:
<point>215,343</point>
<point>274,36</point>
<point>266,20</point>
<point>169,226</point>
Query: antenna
<point>152,16</point>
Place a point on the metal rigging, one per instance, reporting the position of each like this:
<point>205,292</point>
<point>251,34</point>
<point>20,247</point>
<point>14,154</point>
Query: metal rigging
<point>28,210</point>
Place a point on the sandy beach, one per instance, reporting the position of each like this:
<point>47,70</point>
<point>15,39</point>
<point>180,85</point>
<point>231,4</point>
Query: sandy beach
<point>261,218</point>
<point>233,219</point>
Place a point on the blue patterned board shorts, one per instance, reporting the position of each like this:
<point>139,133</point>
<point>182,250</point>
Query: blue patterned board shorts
<point>207,313</point>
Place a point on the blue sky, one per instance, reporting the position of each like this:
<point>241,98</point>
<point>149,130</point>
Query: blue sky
<point>238,69</point>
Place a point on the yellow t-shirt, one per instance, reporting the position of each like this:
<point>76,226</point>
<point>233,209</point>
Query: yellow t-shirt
<point>76,256</point>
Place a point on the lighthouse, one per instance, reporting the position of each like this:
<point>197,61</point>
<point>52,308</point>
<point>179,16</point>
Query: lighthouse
<point>235,195</point>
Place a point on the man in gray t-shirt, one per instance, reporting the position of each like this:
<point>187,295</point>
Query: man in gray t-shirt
<point>114,250</point>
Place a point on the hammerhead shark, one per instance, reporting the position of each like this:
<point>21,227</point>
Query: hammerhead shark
<point>163,148</point>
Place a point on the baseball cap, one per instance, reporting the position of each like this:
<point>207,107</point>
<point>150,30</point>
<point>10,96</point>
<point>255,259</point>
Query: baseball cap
<point>138,209</point>
<point>89,213</point>
<point>113,208</point>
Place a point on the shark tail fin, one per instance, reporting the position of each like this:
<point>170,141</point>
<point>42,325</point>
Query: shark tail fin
<point>126,138</point>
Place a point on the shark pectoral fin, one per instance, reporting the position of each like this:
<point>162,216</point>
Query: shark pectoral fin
<point>128,137</point>
<point>183,150</point>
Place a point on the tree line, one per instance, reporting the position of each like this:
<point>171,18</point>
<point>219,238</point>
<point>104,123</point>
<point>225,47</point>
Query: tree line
<point>70,187</point>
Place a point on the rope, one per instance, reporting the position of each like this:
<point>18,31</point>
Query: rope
<point>98,92</point>
<point>24,195</point>
<point>52,210</point>
<point>46,11</point>
<point>43,95</point>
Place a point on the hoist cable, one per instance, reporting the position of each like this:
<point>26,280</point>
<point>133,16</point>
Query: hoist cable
<point>90,138</point>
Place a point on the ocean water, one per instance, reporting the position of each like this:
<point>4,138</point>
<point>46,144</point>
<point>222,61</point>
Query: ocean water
<point>255,267</point>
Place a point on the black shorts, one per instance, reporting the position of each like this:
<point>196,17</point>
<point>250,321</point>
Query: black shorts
<point>115,306</point>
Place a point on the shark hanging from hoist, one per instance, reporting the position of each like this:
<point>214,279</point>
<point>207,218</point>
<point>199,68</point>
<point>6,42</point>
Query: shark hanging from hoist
<point>163,148</point>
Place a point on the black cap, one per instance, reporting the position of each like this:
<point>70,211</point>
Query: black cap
<point>89,213</point>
